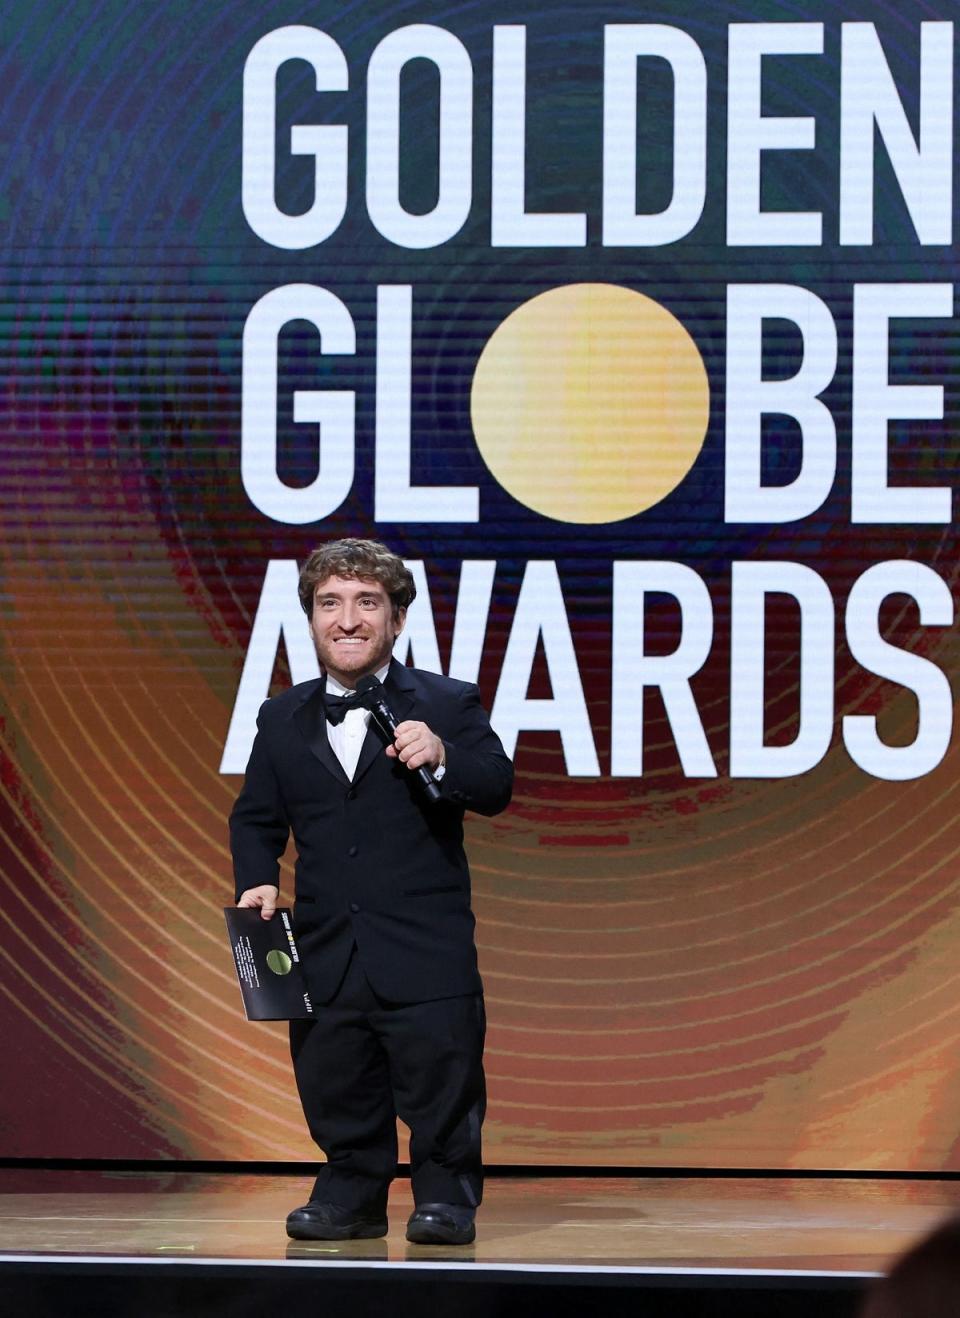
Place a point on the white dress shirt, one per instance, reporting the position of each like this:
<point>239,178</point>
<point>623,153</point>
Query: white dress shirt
<point>347,738</point>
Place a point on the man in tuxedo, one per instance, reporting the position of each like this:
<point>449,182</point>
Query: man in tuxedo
<point>382,903</point>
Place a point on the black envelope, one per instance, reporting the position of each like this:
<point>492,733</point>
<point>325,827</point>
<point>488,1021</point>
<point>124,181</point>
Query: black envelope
<point>268,965</point>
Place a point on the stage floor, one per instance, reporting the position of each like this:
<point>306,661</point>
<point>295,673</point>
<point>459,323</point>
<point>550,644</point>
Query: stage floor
<point>654,1225</point>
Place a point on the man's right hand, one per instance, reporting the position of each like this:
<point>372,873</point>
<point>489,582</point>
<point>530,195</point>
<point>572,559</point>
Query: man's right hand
<point>265,897</point>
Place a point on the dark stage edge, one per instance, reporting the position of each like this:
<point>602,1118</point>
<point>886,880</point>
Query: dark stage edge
<point>165,1288</point>
<point>181,1242</point>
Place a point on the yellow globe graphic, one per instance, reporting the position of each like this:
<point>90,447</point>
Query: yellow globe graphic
<point>590,403</point>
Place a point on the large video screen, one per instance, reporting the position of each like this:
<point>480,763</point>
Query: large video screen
<point>632,328</point>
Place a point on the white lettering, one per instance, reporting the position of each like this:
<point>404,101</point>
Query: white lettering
<point>750,133</point>
<point>417,643</point>
<point>511,224</point>
<point>876,401</point>
<point>327,143</point>
<point>916,674</point>
<point>332,410</point>
<point>752,583</point>
<point>541,614</point>
<point>396,499</point>
<point>924,168</point>
<point>624,43</point>
<point>419,41</point>
<point>750,398</point>
<point>634,670</point>
<point>279,619</point>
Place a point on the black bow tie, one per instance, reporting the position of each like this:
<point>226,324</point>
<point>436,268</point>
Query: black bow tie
<point>338,706</point>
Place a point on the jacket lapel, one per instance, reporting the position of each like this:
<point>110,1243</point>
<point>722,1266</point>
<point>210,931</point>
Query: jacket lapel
<point>311,721</point>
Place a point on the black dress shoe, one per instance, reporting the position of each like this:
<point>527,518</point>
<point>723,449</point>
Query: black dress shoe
<point>317,1221</point>
<point>441,1224</point>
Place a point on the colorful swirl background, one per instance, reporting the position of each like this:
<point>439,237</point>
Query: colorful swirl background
<point>679,972</point>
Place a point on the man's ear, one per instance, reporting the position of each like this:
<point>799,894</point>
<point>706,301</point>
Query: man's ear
<point>399,619</point>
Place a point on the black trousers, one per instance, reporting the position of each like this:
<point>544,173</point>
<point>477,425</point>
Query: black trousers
<point>361,1062</point>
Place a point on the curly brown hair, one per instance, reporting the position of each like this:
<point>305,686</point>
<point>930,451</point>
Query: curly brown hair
<point>364,560</point>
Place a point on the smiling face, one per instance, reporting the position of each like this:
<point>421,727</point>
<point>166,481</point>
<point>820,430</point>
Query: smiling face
<point>354,627</point>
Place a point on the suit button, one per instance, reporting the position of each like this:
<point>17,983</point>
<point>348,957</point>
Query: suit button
<point>354,907</point>
<point>353,850</point>
<point>351,795</point>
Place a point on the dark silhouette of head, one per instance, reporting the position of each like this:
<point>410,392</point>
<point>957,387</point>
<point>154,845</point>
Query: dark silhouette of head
<point>924,1282</point>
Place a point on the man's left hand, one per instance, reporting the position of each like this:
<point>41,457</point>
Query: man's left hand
<point>415,745</point>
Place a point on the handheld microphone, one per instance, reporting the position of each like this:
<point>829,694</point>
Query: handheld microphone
<point>370,691</point>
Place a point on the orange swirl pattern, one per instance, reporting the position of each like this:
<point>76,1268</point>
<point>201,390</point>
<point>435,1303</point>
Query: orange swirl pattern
<point>709,973</point>
<point>679,972</point>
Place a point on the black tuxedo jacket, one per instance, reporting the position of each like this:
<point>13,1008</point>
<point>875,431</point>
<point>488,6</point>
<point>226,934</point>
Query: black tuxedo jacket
<point>377,865</point>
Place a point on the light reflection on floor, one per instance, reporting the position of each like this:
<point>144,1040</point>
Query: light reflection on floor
<point>819,1225</point>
